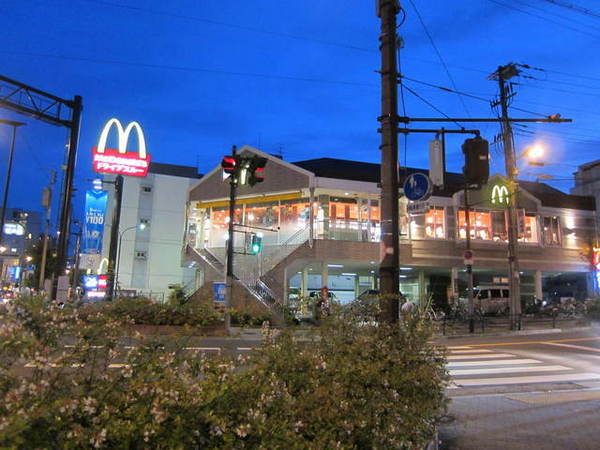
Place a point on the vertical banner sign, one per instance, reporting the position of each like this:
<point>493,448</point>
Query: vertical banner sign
<point>95,209</point>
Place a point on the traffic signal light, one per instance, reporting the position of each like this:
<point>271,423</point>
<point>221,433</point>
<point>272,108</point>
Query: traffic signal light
<point>257,170</point>
<point>256,244</point>
<point>229,164</point>
<point>477,161</point>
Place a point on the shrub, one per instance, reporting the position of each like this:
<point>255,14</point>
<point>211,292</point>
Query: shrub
<point>247,318</point>
<point>592,307</point>
<point>352,384</point>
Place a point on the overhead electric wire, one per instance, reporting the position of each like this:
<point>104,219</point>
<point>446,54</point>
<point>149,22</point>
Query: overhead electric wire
<point>566,83</point>
<point>509,6</point>
<point>439,54</point>
<point>561,16</point>
<point>427,102</point>
<point>402,99</point>
<point>188,69</point>
<point>574,8</point>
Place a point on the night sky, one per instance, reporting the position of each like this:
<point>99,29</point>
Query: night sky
<point>291,77</point>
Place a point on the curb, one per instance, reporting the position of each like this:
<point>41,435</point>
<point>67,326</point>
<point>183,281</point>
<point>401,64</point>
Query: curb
<point>519,333</point>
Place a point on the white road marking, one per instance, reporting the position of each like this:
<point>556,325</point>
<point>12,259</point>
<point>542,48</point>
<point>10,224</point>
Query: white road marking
<point>493,363</point>
<point>452,347</point>
<point>490,371</point>
<point>527,379</point>
<point>204,349</point>
<point>468,352</point>
<point>244,349</point>
<point>483,356</point>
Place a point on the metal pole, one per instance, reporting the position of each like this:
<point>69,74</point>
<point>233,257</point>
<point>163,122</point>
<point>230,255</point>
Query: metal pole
<point>509,159</point>
<point>119,255</point>
<point>390,244</point>
<point>6,189</point>
<point>469,266</point>
<point>48,208</point>
<point>76,266</point>
<point>114,236</point>
<point>11,153</point>
<point>65,213</point>
<point>229,275</point>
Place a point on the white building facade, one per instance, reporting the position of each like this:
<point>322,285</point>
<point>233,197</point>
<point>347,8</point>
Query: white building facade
<point>149,256</point>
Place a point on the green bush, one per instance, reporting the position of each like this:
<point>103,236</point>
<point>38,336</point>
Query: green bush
<point>353,384</point>
<point>246,318</point>
<point>145,311</point>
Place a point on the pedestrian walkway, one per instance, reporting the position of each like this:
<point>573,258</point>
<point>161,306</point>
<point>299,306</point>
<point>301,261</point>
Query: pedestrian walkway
<point>475,367</point>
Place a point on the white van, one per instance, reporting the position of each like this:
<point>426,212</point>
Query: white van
<point>491,299</point>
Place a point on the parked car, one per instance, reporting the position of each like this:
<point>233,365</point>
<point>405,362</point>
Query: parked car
<point>490,299</point>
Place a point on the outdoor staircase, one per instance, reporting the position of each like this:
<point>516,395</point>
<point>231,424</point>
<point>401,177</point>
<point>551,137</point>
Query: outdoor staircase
<point>249,274</point>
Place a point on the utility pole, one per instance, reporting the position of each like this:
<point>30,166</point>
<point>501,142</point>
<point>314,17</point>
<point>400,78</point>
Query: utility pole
<point>503,74</point>
<point>471,301</point>
<point>47,204</point>
<point>389,269</point>
<point>229,279</point>
<point>114,236</point>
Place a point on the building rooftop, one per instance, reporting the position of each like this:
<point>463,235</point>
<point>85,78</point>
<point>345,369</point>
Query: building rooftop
<point>174,170</point>
<point>363,171</point>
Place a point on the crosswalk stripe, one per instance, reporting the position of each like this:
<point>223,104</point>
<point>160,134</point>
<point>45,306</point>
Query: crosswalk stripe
<point>482,356</point>
<point>468,352</point>
<point>204,349</point>
<point>458,347</point>
<point>492,371</point>
<point>526,379</point>
<point>493,362</point>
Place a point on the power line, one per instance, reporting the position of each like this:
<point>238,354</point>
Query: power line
<point>562,16</point>
<point>187,69</point>
<point>574,8</point>
<point>439,54</point>
<point>544,18</point>
<point>164,13</point>
<point>431,105</point>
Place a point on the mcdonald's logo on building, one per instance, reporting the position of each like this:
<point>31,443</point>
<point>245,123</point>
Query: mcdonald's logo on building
<point>500,195</point>
<point>119,161</point>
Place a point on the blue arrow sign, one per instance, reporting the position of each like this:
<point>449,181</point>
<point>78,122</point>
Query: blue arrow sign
<point>417,187</point>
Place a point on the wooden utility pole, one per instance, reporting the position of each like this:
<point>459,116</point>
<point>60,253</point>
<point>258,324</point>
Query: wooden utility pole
<point>504,73</point>
<point>387,10</point>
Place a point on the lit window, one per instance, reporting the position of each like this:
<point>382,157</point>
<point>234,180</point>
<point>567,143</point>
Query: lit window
<point>551,231</point>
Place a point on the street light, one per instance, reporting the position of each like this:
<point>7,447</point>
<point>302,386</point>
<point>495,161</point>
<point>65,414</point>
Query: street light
<point>141,227</point>
<point>533,153</point>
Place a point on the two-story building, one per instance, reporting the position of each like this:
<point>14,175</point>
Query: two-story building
<point>320,221</point>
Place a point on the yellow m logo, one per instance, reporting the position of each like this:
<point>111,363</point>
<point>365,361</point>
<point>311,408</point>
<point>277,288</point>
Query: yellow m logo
<point>500,194</point>
<point>123,137</point>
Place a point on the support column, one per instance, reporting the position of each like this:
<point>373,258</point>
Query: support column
<point>324,274</point>
<point>422,288</point>
<point>356,286</point>
<point>304,282</point>
<point>286,297</point>
<point>311,201</point>
<point>538,285</point>
<point>454,284</point>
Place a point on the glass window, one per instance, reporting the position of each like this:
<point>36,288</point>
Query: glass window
<point>435,223</point>
<point>504,293</point>
<point>484,225</point>
<point>495,293</point>
<point>551,231</point>
<point>528,228</point>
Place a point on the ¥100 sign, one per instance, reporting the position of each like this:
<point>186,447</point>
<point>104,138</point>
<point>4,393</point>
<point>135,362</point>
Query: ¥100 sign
<point>120,161</point>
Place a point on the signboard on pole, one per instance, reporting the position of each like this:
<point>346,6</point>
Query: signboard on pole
<point>468,257</point>
<point>417,187</point>
<point>418,208</point>
<point>95,209</point>
<point>219,291</point>
<point>436,162</point>
<point>119,161</point>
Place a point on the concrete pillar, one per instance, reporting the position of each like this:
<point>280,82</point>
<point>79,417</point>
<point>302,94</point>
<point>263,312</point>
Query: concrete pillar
<point>356,286</point>
<point>538,285</point>
<point>324,274</point>
<point>454,284</point>
<point>285,286</point>
<point>304,282</point>
<point>422,288</point>
<point>311,201</point>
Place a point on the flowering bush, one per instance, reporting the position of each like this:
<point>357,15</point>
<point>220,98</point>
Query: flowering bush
<point>75,383</point>
<point>247,318</point>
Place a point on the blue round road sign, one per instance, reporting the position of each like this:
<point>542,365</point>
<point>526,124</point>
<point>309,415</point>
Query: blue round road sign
<point>417,187</point>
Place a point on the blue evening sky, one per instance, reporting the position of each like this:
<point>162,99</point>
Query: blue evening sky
<point>296,77</point>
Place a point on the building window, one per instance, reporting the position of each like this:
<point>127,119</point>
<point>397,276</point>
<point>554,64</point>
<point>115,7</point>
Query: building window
<point>145,222</point>
<point>551,231</point>
<point>146,189</point>
<point>435,223</point>
<point>528,227</point>
<point>140,255</point>
<point>484,225</point>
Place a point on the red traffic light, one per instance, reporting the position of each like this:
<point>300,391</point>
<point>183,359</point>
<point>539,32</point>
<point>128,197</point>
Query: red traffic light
<point>229,164</point>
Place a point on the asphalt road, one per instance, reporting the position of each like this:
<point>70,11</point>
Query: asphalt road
<point>538,391</point>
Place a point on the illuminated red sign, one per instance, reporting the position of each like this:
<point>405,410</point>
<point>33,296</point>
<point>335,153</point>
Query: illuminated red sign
<point>120,161</point>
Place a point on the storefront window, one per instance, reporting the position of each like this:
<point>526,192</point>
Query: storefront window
<point>484,225</point>
<point>551,231</point>
<point>218,224</point>
<point>295,216</point>
<point>430,225</point>
<point>529,229</point>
